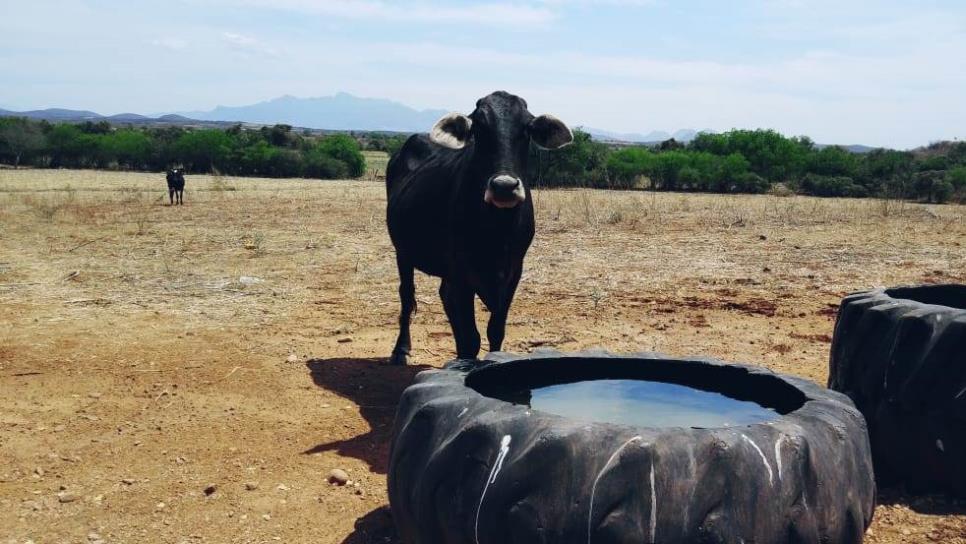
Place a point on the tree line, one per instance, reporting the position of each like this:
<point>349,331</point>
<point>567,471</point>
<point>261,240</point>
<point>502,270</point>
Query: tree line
<point>758,161</point>
<point>275,151</point>
<point>738,161</point>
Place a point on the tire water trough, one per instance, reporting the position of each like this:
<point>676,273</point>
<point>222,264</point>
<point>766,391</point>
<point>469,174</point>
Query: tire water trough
<point>900,355</point>
<point>593,447</point>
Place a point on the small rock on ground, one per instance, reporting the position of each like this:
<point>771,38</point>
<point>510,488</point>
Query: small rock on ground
<point>338,476</point>
<point>66,496</point>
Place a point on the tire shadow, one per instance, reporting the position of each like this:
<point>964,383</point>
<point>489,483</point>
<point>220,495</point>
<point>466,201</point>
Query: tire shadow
<point>375,386</point>
<point>376,527</point>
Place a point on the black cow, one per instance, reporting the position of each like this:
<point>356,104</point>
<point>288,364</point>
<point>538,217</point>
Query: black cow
<point>459,208</point>
<point>176,185</point>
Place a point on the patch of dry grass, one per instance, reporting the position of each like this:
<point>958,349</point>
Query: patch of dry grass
<point>106,288</point>
<point>376,162</point>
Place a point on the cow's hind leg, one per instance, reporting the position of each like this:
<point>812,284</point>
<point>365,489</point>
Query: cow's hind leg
<point>181,196</point>
<point>458,303</point>
<point>407,298</point>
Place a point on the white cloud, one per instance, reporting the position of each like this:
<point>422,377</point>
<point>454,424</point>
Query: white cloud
<point>623,3</point>
<point>492,13</point>
<point>170,42</point>
<point>247,45</point>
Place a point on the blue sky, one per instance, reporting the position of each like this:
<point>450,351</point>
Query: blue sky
<point>880,73</point>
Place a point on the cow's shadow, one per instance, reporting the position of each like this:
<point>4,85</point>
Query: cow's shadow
<point>376,527</point>
<point>375,386</point>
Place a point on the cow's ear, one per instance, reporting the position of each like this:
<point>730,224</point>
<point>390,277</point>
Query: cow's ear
<point>452,131</point>
<point>549,132</point>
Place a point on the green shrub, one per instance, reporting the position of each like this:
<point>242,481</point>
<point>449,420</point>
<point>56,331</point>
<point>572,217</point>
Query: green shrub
<point>344,148</point>
<point>626,166</point>
<point>321,166</point>
<point>750,182</point>
<point>831,186</point>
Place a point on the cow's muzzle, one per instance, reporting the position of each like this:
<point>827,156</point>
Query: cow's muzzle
<point>504,191</point>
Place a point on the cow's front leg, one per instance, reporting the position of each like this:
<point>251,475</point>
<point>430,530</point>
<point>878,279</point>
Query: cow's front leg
<point>458,302</point>
<point>499,309</point>
<point>407,299</point>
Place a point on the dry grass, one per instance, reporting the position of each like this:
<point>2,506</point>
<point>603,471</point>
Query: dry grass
<point>182,317</point>
<point>376,162</point>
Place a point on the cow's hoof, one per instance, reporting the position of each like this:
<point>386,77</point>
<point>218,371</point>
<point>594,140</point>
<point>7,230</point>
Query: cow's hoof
<point>398,358</point>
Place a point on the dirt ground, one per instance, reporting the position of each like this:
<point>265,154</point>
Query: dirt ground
<point>193,373</point>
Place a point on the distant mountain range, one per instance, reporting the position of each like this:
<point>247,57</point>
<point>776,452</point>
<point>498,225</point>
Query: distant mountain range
<point>340,112</point>
<point>54,114</point>
<point>60,115</point>
<point>684,135</point>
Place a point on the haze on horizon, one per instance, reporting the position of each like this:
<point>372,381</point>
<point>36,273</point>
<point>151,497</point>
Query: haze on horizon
<point>883,73</point>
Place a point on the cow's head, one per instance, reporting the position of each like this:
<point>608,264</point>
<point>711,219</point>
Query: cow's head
<point>499,132</point>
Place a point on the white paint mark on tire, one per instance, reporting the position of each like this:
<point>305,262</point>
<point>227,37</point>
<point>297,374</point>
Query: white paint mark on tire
<point>593,489</point>
<point>771,476</point>
<point>692,471</point>
<point>497,465</point>
<point>463,411</point>
<point>653,506</point>
<point>778,455</point>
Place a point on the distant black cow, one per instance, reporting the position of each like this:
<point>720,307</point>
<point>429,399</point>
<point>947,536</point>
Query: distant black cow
<point>176,185</point>
<point>459,208</point>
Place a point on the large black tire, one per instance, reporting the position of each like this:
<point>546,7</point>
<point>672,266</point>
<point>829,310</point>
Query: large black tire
<point>900,354</point>
<point>465,467</point>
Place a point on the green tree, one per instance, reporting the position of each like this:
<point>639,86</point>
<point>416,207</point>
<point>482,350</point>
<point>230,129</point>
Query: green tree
<point>625,167</point>
<point>203,150</point>
<point>833,161</point>
<point>394,143</point>
<point>19,137</point>
<point>885,172</point>
<point>731,170</point>
<point>582,163</point>
<point>346,149</point>
<point>69,146</point>
<point>317,164</point>
<point>667,168</point>
<point>701,171</point>
<point>957,178</point>
<point>839,186</point>
<point>131,148</point>
<point>750,182</point>
<point>279,135</point>
<point>769,154</point>
<point>255,159</point>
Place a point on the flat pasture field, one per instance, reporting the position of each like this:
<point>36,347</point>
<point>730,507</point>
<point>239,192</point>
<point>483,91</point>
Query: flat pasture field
<point>193,373</point>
